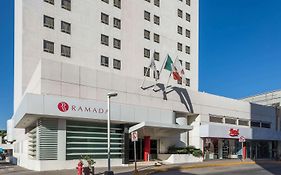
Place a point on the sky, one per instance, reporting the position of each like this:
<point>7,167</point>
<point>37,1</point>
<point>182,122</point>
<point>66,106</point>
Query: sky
<point>239,49</point>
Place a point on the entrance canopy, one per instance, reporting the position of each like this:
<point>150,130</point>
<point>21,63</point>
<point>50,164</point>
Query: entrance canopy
<point>157,130</point>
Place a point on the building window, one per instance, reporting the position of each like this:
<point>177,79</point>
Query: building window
<point>180,13</point>
<point>156,20</point>
<point>117,3</point>
<point>65,27</point>
<point>156,74</point>
<point>104,18</point>
<point>157,3</point>
<point>146,72</point>
<point>104,61</point>
<point>147,34</point>
<point>187,49</point>
<point>116,43</point>
<point>187,17</point>
<point>187,81</point>
<point>243,122</point>
<point>187,33</point>
<point>116,64</point>
<point>117,23</point>
<point>104,40</point>
<point>188,2</point>
<point>156,56</point>
<point>65,51</point>
<point>255,124</point>
<point>230,121</point>
<point>147,0</point>
<point>66,4</point>
<point>147,15</point>
<point>50,1</point>
<point>49,22</point>
<point>187,65</point>
<point>106,1</point>
<point>179,30</point>
<point>48,46</point>
<point>180,47</point>
<point>146,53</point>
<point>215,119</point>
<point>156,38</point>
<point>265,125</point>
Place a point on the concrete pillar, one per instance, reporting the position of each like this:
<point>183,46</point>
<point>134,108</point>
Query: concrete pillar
<point>183,136</point>
<point>220,148</point>
<point>61,139</point>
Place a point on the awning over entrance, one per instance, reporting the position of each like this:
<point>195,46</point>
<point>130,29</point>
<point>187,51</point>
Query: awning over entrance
<point>157,130</point>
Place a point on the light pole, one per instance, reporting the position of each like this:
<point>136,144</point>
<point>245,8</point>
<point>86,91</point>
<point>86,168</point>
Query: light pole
<point>109,95</point>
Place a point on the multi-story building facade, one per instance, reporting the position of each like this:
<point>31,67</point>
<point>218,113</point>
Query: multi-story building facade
<point>70,54</point>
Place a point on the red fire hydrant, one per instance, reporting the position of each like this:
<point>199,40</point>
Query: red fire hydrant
<point>79,168</point>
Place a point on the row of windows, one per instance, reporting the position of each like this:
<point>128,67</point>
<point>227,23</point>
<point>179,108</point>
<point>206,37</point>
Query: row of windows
<point>49,46</point>
<point>104,61</point>
<point>235,121</point>
<point>105,41</point>
<point>146,54</point>
<point>187,32</point>
<point>156,18</point>
<point>187,15</point>
<point>116,3</point>
<point>186,1</point>
<point>180,48</point>
<point>65,4</point>
<point>49,22</point>
<point>156,2</point>
<point>156,37</point>
<point>105,20</point>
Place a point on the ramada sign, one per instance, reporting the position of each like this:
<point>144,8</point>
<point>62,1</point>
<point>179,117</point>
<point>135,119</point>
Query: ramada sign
<point>64,107</point>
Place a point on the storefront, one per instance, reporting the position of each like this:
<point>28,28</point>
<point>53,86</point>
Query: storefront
<point>220,148</point>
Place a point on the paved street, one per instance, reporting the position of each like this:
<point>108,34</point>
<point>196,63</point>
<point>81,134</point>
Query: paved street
<point>260,168</point>
<point>269,168</point>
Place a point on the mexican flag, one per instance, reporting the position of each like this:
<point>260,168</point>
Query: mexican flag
<point>169,65</point>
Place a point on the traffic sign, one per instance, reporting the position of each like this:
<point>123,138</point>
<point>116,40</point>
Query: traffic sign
<point>242,139</point>
<point>134,136</point>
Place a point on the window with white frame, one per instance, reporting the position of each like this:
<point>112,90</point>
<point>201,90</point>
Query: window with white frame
<point>146,72</point>
<point>104,18</point>
<point>49,22</point>
<point>187,17</point>
<point>156,20</point>
<point>156,38</point>
<point>65,27</point>
<point>187,33</point>
<point>66,4</point>
<point>65,51</point>
<point>104,40</point>
<point>147,34</point>
<point>50,1</point>
<point>116,64</point>
<point>117,3</point>
<point>147,15</point>
<point>156,56</point>
<point>187,65</point>
<point>117,23</point>
<point>104,61</point>
<point>157,3</point>
<point>146,53</point>
<point>180,47</point>
<point>116,43</point>
<point>180,30</point>
<point>48,46</point>
<point>187,49</point>
<point>187,81</point>
<point>180,13</point>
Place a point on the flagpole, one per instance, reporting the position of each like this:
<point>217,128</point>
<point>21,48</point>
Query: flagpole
<point>160,71</point>
<point>145,76</point>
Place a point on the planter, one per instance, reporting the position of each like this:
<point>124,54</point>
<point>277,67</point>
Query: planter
<point>179,158</point>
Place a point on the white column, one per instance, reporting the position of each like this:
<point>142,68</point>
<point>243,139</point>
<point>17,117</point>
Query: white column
<point>61,139</point>
<point>183,136</point>
<point>220,148</point>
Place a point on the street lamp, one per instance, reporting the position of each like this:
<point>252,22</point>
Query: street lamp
<point>109,95</point>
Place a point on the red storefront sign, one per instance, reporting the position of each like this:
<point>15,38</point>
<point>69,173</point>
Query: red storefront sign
<point>233,132</point>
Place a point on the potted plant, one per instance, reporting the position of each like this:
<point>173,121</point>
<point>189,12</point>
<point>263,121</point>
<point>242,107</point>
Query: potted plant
<point>90,169</point>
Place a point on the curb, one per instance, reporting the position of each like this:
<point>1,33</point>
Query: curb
<point>185,167</point>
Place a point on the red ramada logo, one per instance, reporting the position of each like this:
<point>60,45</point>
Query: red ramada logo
<point>63,106</point>
<point>233,132</point>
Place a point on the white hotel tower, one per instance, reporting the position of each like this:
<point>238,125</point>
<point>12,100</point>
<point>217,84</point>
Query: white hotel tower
<point>70,53</point>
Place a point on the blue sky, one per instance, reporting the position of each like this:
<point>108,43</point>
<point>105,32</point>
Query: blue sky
<point>239,53</point>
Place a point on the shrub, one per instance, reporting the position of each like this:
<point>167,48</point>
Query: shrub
<point>186,150</point>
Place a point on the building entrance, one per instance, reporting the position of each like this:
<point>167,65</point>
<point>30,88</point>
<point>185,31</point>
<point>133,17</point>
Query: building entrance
<point>140,150</point>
